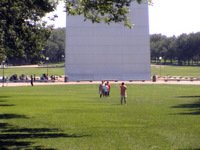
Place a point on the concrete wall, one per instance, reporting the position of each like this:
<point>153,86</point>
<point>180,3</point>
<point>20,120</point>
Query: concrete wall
<point>108,52</point>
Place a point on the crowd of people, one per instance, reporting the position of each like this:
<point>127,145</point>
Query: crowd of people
<point>104,91</point>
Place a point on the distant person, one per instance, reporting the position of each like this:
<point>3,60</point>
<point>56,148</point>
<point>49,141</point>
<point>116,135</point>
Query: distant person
<point>101,89</point>
<point>123,93</point>
<point>105,89</point>
<point>31,80</point>
<point>109,86</point>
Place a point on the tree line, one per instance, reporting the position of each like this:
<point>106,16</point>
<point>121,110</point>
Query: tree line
<point>176,50</point>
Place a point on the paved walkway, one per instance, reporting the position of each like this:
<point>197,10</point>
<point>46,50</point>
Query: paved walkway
<point>10,84</point>
<point>61,82</point>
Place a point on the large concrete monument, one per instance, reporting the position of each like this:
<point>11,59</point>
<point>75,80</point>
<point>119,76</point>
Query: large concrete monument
<point>108,52</point>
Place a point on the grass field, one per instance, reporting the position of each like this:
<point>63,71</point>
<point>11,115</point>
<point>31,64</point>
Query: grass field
<point>38,71</point>
<point>73,117</point>
<point>192,71</point>
<point>164,70</point>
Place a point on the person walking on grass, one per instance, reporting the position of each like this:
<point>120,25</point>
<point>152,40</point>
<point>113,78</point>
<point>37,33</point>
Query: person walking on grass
<point>31,80</point>
<point>109,86</point>
<point>123,93</point>
<point>101,89</point>
<point>105,90</point>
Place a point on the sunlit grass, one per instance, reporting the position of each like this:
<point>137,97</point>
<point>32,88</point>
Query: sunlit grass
<point>38,71</point>
<point>74,117</point>
<point>58,69</point>
<point>164,70</point>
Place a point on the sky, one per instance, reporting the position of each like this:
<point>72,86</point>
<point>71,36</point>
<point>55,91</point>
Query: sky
<point>167,17</point>
<point>174,17</point>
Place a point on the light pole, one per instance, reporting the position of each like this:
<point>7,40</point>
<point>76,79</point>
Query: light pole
<point>47,59</point>
<point>63,56</point>
<point>3,62</point>
<point>160,58</point>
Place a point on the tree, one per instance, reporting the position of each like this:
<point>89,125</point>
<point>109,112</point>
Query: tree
<point>182,49</point>
<point>22,33</point>
<point>55,47</point>
<point>102,10</point>
<point>194,44</point>
<point>171,49</point>
<point>158,46</point>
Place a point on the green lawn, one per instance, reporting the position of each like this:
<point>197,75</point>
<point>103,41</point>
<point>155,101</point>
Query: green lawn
<point>38,71</point>
<point>192,71</point>
<point>73,117</point>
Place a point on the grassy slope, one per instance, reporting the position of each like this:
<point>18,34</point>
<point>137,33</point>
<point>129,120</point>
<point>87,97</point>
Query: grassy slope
<point>74,117</point>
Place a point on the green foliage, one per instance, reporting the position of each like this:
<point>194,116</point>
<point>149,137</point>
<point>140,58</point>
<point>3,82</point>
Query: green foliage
<point>102,10</point>
<point>181,50</point>
<point>23,35</point>
<point>55,47</point>
<point>74,117</point>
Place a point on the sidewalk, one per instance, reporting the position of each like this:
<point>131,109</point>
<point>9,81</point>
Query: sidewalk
<point>12,84</point>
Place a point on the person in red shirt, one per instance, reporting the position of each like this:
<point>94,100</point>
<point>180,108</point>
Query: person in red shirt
<point>123,93</point>
<point>109,86</point>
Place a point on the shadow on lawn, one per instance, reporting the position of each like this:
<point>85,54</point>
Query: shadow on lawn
<point>3,99</point>
<point>194,108</point>
<point>12,116</point>
<point>189,149</point>
<point>1,105</point>
<point>13,137</point>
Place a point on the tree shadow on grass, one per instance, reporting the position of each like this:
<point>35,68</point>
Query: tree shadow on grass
<point>4,97</point>
<point>12,116</point>
<point>7,105</point>
<point>193,96</point>
<point>3,100</point>
<point>190,149</point>
<point>13,137</point>
<point>193,108</point>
